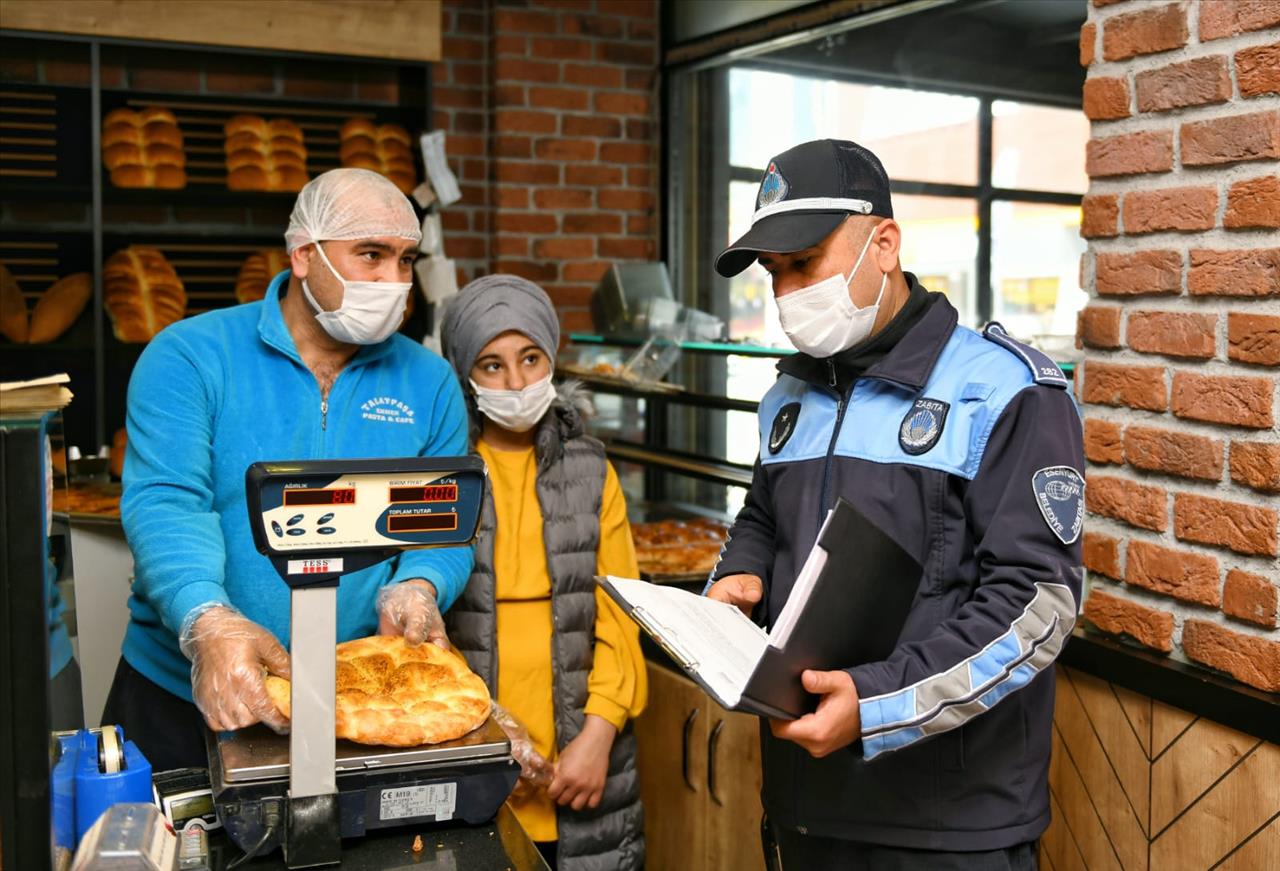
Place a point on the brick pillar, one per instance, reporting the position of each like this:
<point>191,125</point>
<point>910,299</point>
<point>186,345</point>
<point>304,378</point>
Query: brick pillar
<point>1182,332</point>
<point>553,134</point>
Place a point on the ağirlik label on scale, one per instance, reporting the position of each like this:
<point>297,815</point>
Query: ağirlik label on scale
<point>430,800</point>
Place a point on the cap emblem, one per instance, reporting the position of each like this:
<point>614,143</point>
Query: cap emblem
<point>773,187</point>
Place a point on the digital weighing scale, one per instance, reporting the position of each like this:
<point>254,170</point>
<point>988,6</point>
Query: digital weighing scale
<point>316,521</point>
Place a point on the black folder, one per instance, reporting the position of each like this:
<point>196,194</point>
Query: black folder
<point>854,614</point>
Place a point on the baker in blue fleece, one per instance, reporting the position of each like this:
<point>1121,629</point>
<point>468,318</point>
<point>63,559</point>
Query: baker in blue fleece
<point>313,371</point>
<point>965,448</point>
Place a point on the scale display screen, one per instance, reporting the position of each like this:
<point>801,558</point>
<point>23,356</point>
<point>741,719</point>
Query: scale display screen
<point>422,522</point>
<point>429,493</point>
<point>332,496</point>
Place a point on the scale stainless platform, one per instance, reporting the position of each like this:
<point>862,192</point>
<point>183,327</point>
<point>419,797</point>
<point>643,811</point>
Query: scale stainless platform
<point>465,779</point>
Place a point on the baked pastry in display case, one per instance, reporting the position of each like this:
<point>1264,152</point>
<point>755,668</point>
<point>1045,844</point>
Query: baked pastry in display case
<point>264,155</point>
<point>143,149</point>
<point>383,148</point>
<point>142,292</point>
<point>676,548</point>
<point>394,695</point>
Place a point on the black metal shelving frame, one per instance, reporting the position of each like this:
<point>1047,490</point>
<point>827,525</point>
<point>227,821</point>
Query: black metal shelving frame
<point>98,235</point>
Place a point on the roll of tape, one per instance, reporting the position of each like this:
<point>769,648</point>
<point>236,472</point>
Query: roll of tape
<point>110,753</point>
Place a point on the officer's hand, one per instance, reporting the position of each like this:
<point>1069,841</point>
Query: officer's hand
<point>835,724</point>
<point>745,591</point>
<point>409,608</point>
<point>230,655</point>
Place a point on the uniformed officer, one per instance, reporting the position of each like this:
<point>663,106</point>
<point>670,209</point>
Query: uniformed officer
<point>966,448</point>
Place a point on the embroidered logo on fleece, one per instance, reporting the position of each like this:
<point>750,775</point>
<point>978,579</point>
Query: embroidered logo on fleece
<point>386,409</point>
<point>1059,492</point>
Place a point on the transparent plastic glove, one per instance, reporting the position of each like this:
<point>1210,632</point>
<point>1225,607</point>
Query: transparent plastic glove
<point>409,608</point>
<point>230,655</point>
<point>535,770</point>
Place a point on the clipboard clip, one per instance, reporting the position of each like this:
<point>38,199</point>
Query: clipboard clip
<point>651,626</point>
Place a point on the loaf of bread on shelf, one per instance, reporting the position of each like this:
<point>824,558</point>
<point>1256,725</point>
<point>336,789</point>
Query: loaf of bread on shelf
<point>13,308</point>
<point>357,127</point>
<point>142,292</point>
<point>255,124</point>
<point>143,149</point>
<point>264,155</point>
<point>257,271</point>
<point>382,148</point>
<point>59,306</point>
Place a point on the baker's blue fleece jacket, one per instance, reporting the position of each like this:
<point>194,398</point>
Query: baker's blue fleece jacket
<point>211,395</point>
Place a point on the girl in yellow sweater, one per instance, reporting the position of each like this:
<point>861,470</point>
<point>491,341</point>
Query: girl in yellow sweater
<point>555,651</point>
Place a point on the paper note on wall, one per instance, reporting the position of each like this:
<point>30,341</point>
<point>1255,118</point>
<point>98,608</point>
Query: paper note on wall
<point>442,178</point>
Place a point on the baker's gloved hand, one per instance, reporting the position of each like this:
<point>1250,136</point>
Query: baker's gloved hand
<point>535,770</point>
<point>409,608</point>
<point>230,655</point>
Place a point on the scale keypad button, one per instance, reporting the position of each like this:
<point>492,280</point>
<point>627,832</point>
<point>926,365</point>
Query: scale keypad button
<point>275,527</point>
<point>294,520</point>
<point>326,530</point>
<point>296,531</point>
<point>325,518</point>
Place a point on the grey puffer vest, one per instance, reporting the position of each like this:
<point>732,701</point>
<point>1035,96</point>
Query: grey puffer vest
<point>570,487</point>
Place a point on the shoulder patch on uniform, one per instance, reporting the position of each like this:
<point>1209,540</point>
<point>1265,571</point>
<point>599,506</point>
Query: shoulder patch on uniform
<point>1043,369</point>
<point>1059,491</point>
<point>784,425</point>
<point>922,426</point>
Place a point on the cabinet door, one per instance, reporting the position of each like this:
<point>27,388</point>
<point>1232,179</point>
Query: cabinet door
<point>733,791</point>
<point>671,737</point>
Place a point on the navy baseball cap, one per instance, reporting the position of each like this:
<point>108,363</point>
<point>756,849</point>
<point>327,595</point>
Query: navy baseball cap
<point>805,193</point>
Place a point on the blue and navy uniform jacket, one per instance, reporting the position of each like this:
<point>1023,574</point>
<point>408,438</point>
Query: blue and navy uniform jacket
<point>966,448</point>
<point>217,392</point>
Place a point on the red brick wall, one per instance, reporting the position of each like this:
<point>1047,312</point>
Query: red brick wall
<point>1182,333</point>
<point>551,114</point>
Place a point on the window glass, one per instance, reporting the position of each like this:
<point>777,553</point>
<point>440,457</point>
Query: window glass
<point>1035,258</point>
<point>1038,147</point>
<point>940,245</point>
<point>919,135</point>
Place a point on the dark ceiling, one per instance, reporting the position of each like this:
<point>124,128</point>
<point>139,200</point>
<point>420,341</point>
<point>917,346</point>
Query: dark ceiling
<point>1010,48</point>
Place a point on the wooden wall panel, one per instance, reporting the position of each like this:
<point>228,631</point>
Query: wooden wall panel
<point>1136,784</point>
<point>1108,796</point>
<point>1080,821</point>
<point>1191,765</point>
<point>394,29</point>
<point>1227,814</point>
<point>1167,724</point>
<point>1260,851</point>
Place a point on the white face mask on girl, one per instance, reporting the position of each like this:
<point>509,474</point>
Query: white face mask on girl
<point>821,319</point>
<point>515,410</point>
<point>370,312</point>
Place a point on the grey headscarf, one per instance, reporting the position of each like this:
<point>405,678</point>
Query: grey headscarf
<point>490,306</point>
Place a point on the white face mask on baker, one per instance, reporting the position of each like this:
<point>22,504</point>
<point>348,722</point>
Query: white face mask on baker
<point>370,312</point>
<point>821,319</point>
<point>516,410</point>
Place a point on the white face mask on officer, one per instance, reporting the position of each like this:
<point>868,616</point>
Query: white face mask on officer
<point>821,319</point>
<point>515,410</point>
<point>370,312</point>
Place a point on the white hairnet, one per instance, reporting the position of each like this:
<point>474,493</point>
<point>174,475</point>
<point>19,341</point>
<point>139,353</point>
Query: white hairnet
<point>350,204</point>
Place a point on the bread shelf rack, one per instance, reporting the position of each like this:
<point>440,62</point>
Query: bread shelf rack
<point>60,213</point>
